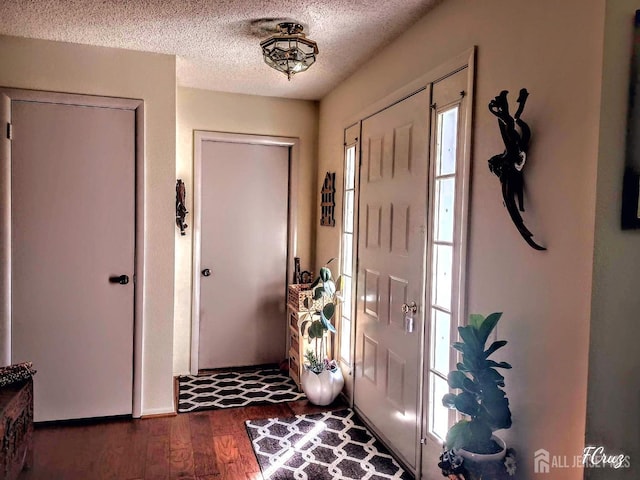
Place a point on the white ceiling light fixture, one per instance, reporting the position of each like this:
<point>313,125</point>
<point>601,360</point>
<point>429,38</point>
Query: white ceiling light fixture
<point>289,51</point>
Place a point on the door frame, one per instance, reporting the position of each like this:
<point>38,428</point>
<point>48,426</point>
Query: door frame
<point>199,137</point>
<point>135,105</point>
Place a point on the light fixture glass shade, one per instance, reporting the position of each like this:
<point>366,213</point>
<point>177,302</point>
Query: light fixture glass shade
<point>289,51</point>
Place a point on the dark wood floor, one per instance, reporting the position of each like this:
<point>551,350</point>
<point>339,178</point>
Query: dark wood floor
<point>208,445</point>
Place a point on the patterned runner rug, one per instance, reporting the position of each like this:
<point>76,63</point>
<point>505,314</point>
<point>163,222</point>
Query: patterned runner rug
<point>235,389</point>
<point>324,446</point>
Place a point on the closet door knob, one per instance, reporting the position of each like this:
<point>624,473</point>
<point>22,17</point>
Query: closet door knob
<point>122,279</point>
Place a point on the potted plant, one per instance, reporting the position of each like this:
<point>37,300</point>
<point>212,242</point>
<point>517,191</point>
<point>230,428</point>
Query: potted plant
<point>322,379</point>
<point>471,448</point>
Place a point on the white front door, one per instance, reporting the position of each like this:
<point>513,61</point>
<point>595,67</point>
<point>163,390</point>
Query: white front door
<point>243,254</point>
<point>72,228</point>
<point>392,233</point>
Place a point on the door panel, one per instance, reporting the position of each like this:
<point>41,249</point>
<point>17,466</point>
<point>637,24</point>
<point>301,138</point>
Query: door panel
<point>393,200</point>
<point>244,198</point>
<point>73,218</point>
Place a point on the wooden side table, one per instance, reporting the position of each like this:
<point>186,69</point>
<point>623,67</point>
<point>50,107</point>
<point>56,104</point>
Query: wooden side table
<point>16,428</point>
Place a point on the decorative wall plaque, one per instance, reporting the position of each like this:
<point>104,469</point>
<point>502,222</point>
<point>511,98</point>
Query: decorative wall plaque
<point>630,215</point>
<point>508,165</point>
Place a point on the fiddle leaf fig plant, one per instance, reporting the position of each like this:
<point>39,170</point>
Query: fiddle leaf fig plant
<point>482,399</point>
<point>320,310</point>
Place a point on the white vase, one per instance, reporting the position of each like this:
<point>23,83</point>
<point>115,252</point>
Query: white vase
<point>485,457</point>
<point>322,388</point>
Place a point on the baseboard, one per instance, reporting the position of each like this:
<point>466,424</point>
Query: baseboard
<point>346,399</point>
<point>241,368</point>
<point>159,412</point>
<point>82,421</point>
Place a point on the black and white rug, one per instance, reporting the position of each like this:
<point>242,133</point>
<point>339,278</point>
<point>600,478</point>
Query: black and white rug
<point>235,389</point>
<point>324,446</point>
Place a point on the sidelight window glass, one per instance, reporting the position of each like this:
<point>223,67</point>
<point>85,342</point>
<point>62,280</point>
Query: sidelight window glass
<point>443,250</point>
<point>347,263</point>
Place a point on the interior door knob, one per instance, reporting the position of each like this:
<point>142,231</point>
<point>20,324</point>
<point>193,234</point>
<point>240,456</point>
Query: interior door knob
<point>121,279</point>
<point>206,272</point>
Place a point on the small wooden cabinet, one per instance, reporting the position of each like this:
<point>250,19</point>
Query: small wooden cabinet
<point>296,349</point>
<point>296,313</point>
<point>16,428</point>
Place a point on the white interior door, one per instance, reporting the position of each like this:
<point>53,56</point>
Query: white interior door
<point>72,226</point>
<point>243,198</point>
<point>391,251</point>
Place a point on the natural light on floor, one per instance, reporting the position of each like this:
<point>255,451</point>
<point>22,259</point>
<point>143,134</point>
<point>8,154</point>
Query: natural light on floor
<point>315,431</point>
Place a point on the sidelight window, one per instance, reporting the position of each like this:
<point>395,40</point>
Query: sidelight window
<point>347,253</point>
<point>444,248</point>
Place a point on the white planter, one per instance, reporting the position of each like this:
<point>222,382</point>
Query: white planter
<point>322,388</point>
<point>483,457</point>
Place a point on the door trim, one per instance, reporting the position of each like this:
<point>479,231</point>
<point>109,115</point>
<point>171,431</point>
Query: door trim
<point>453,65</point>
<point>200,136</point>
<point>137,106</point>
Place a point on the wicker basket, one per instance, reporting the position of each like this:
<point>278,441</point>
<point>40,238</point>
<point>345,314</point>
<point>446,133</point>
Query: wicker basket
<point>297,294</point>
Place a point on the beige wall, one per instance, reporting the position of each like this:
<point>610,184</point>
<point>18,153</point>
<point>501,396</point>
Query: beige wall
<point>227,112</point>
<point>554,49</point>
<point>64,67</point>
<point>613,415</point>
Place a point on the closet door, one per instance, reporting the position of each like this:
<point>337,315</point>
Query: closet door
<point>72,236</point>
<point>243,254</point>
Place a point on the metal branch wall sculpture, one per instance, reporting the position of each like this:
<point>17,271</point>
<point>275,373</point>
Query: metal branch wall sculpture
<point>509,164</point>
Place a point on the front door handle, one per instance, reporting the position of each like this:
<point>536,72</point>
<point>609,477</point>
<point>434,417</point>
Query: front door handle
<point>409,311</point>
<point>122,279</point>
<point>410,308</point>
<point>206,272</point>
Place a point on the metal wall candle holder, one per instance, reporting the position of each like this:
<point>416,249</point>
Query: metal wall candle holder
<point>181,209</point>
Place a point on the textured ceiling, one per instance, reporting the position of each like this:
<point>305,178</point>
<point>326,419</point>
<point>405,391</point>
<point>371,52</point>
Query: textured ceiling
<point>217,42</point>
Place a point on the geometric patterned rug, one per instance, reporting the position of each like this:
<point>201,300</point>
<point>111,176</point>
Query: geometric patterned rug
<point>235,389</point>
<point>323,446</point>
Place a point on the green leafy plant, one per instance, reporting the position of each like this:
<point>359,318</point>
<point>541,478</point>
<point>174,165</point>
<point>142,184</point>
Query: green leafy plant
<point>320,310</point>
<point>313,362</point>
<point>482,400</point>
<point>316,364</point>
